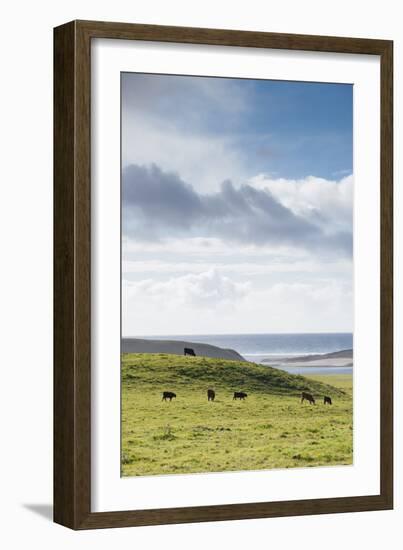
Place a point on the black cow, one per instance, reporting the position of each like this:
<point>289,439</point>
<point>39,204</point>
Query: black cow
<point>210,395</point>
<point>168,395</point>
<point>327,400</point>
<point>240,395</point>
<point>308,397</point>
<point>189,351</point>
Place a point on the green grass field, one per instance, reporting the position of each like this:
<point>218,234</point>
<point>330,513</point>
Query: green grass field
<point>270,429</point>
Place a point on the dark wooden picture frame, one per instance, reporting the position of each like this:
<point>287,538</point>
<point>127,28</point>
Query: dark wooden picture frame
<point>72,274</point>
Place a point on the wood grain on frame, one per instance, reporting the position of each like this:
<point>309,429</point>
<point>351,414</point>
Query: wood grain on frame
<point>72,274</point>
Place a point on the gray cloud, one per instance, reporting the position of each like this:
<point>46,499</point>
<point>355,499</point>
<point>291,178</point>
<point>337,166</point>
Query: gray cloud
<point>159,204</point>
<point>163,93</point>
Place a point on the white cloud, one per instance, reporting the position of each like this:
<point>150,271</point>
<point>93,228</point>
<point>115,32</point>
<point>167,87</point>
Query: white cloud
<point>196,247</point>
<point>183,256</point>
<point>206,289</point>
<point>327,203</point>
<point>158,204</point>
<point>257,254</point>
<point>209,303</point>
<point>320,306</point>
<point>165,121</point>
<point>203,159</point>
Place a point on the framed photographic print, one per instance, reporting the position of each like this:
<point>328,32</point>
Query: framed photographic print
<point>222,275</point>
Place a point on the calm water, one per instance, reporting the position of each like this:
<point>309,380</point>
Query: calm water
<point>255,347</point>
<point>316,370</point>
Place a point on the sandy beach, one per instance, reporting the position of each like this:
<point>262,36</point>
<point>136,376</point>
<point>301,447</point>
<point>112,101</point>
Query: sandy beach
<point>343,358</point>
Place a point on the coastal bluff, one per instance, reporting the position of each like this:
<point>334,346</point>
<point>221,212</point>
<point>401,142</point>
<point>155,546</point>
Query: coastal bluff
<point>176,347</point>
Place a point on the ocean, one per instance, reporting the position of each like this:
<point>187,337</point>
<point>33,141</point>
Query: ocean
<point>255,347</point>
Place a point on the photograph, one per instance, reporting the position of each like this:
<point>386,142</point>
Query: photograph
<point>236,274</point>
<point>223,274</point>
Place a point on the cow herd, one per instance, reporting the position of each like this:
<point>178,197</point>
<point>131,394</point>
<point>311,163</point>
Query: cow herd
<point>305,396</point>
<point>311,400</point>
<point>169,395</point>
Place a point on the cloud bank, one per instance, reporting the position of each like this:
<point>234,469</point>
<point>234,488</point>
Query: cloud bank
<point>206,289</point>
<point>224,227</point>
<point>211,301</point>
<point>159,204</point>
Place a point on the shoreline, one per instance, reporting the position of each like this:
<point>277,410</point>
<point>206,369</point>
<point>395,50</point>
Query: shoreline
<point>337,359</point>
<point>292,363</point>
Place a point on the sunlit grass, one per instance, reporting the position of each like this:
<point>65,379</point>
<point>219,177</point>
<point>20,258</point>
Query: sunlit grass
<point>270,429</point>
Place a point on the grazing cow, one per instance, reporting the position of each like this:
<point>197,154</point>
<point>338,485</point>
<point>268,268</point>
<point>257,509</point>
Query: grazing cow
<point>210,395</point>
<point>327,400</point>
<point>168,395</point>
<point>189,351</point>
<point>240,395</point>
<point>308,397</point>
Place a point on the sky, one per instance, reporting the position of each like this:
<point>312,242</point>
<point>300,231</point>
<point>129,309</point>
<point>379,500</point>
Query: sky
<point>237,201</point>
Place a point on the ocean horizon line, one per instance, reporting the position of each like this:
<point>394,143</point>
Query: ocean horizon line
<point>235,334</point>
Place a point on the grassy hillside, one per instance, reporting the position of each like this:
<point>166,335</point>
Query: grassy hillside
<point>161,371</point>
<point>270,429</point>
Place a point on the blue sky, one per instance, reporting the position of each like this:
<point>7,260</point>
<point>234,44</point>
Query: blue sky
<point>290,129</point>
<point>310,127</point>
<point>236,194</point>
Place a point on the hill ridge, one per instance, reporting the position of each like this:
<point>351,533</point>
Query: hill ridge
<point>166,371</point>
<point>176,347</point>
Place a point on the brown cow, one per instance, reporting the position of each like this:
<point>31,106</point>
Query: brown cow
<point>327,400</point>
<point>240,395</point>
<point>308,397</point>
<point>168,395</point>
<point>210,395</point>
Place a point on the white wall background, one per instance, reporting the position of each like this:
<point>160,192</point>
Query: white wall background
<point>26,270</point>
